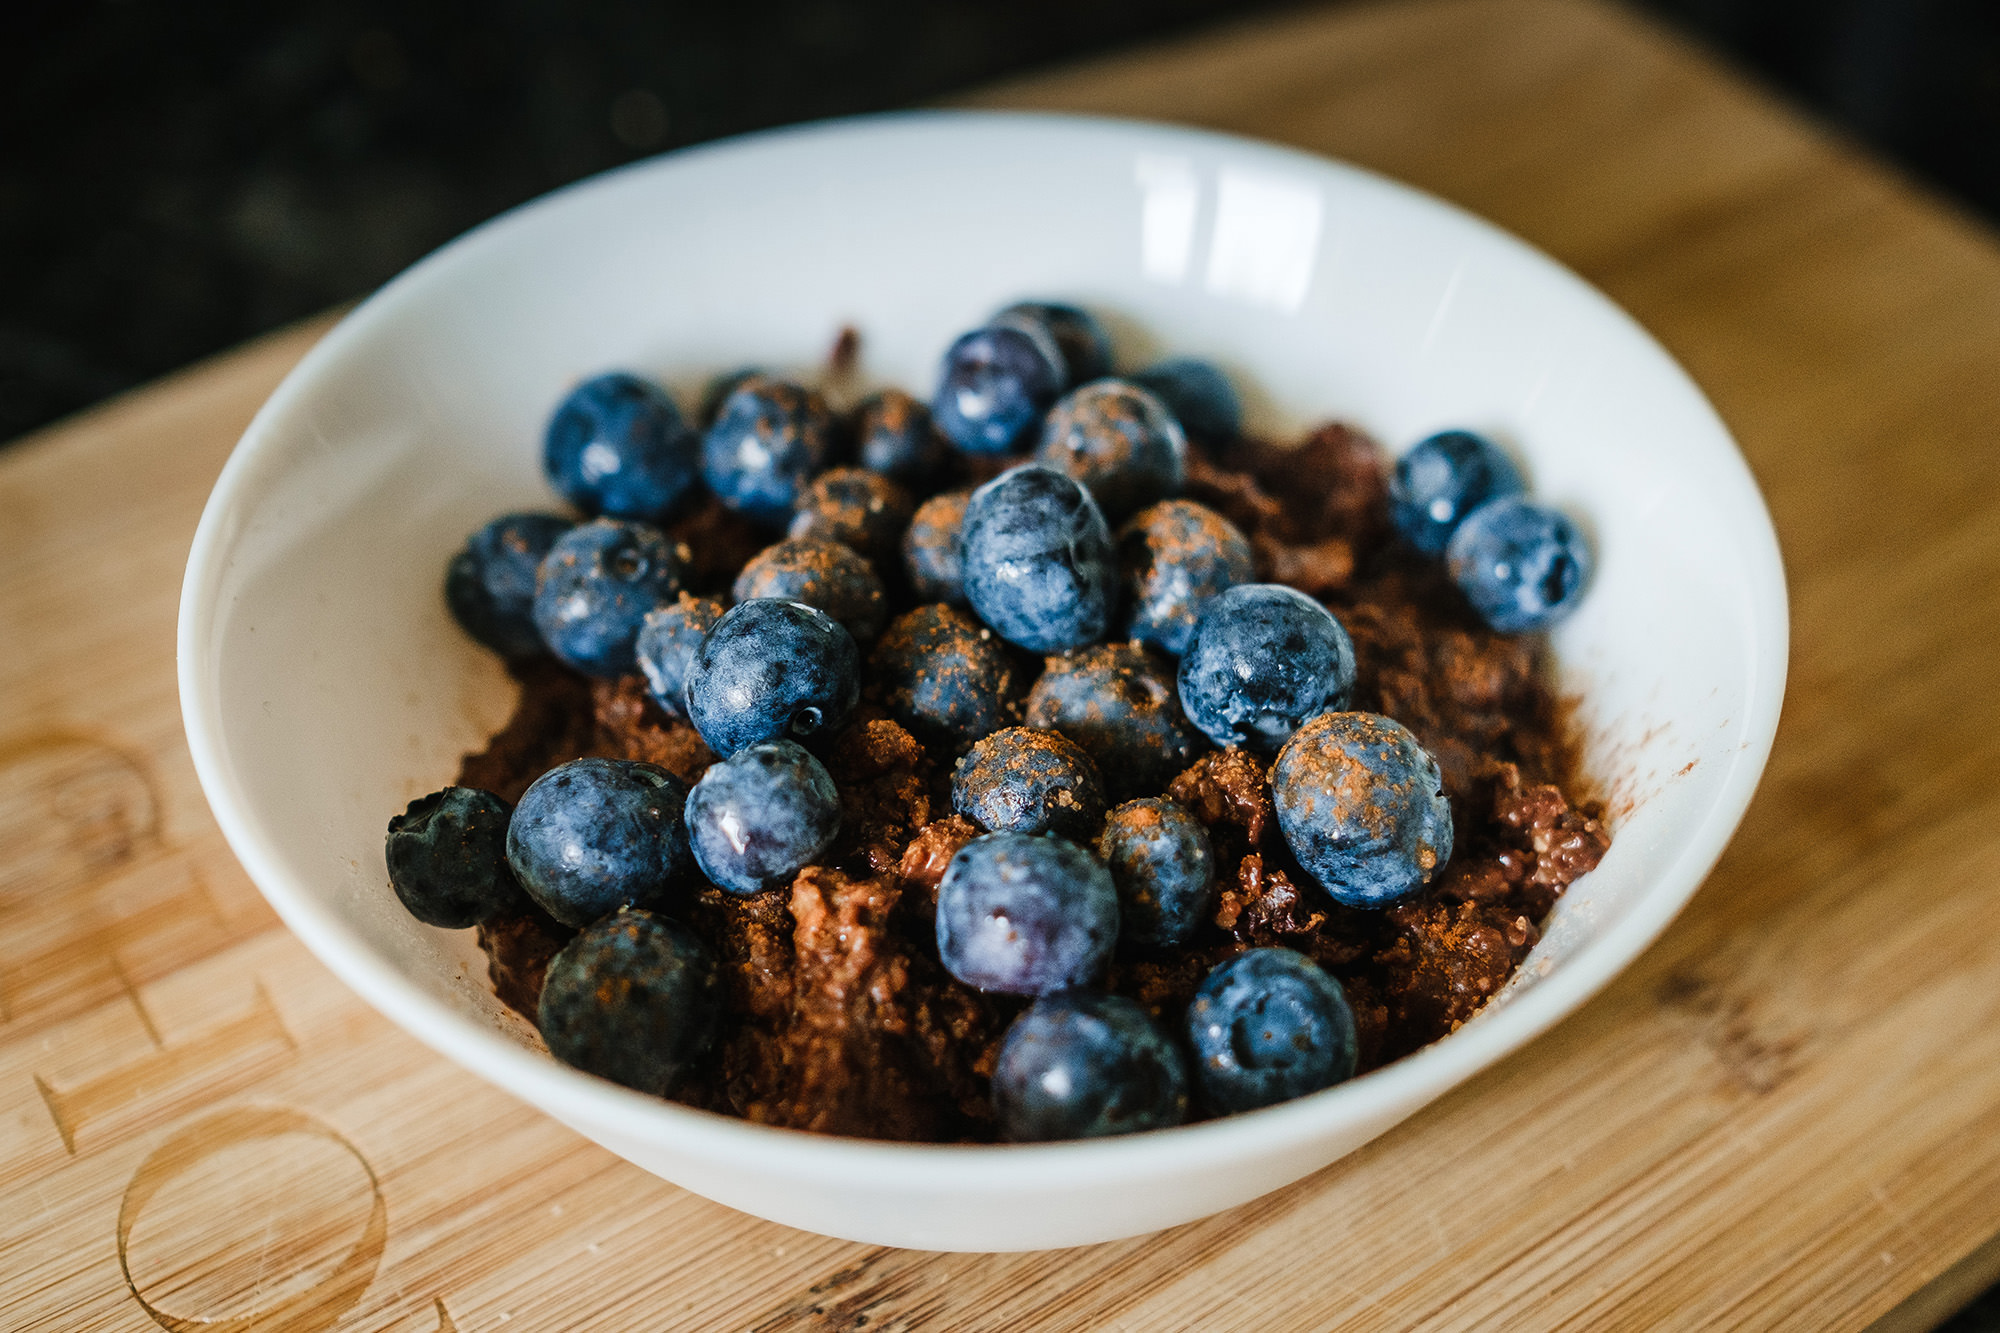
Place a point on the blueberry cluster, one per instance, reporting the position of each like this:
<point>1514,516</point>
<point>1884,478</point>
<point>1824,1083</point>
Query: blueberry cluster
<point>987,517</point>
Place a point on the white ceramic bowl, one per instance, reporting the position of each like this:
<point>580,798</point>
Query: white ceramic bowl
<point>324,685</point>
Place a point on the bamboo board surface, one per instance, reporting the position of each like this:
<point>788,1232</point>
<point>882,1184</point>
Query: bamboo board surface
<point>1787,1114</point>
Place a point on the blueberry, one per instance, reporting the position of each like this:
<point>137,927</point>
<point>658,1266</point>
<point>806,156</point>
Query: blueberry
<point>859,509</point>
<point>1521,565</point>
<point>1081,1066</point>
<point>490,584</point>
<point>447,857</point>
<point>1038,561</point>
<point>1362,807</point>
<point>996,383</point>
<point>594,835</point>
<point>1200,397</point>
<point>1442,480</point>
<point>617,446</point>
<point>717,392</point>
<point>944,676</point>
<point>1173,558</point>
<point>762,815</point>
<point>1120,441</point>
<point>634,998</point>
<point>1263,659</point>
<point>1085,347</point>
<point>769,438</point>
<point>1164,869</point>
<point>1267,1026</point>
<point>594,589</point>
<point>823,574</point>
<point>669,638</point>
<point>1023,781</point>
<point>1025,915</point>
<point>893,436</point>
<point>1117,701</point>
<point>930,548</point>
<point>772,670</point>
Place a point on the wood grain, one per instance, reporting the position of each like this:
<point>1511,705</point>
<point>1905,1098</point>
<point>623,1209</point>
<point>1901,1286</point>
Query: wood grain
<point>1786,1115</point>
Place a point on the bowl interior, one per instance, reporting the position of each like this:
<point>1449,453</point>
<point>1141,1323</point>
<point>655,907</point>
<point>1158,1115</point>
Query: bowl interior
<point>326,685</point>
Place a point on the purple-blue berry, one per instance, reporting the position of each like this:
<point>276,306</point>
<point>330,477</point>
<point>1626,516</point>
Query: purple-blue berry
<point>634,998</point>
<point>669,638</point>
<point>1118,440</point>
<point>769,438</point>
<point>1083,1066</point>
<point>1164,869</point>
<point>1025,915</point>
<point>827,574</point>
<point>1020,780</point>
<point>944,676</point>
<point>595,588</point>
<point>1199,395</point>
<point>1263,659</point>
<point>931,556</point>
<point>1173,559</point>
<point>1361,805</point>
<point>1082,341</point>
<point>1118,701</point>
<point>862,510</point>
<point>490,583</point>
<point>996,383</point>
<point>1441,480</point>
<point>893,435</point>
<point>1038,563</point>
<point>594,835</point>
<point>1522,566</point>
<point>762,815</point>
<point>447,857</point>
<point>1267,1026</point>
<point>772,670</point>
<point>617,446</point>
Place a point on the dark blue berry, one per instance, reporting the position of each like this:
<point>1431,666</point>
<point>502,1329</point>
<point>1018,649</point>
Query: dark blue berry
<point>997,382</point>
<point>1039,566</point>
<point>717,392</point>
<point>1085,346</point>
<point>1362,807</point>
<point>1118,440</point>
<point>447,856</point>
<point>1164,869</point>
<point>594,835</point>
<point>634,998</point>
<point>930,548</point>
<point>1173,558</point>
<point>1521,565</point>
<point>490,584</point>
<point>668,640</point>
<point>1442,480</point>
<point>1267,1026</point>
<point>859,509</point>
<point>1025,915</point>
<point>944,676</point>
<point>772,670</point>
<point>1117,701</point>
<point>760,816</point>
<point>1263,659</point>
<point>595,588</point>
<point>826,574</point>
<point>1081,1066</point>
<point>1200,397</point>
<point>769,439</point>
<point>1019,780</point>
<point>617,446</point>
<point>894,436</point>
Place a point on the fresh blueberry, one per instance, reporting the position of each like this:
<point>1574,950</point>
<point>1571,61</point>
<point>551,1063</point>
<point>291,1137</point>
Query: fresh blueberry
<point>617,446</point>
<point>1200,397</point>
<point>1019,780</point>
<point>772,670</point>
<point>668,640</point>
<point>1164,869</point>
<point>1085,346</point>
<point>634,998</point>
<point>1521,565</point>
<point>893,436</point>
<point>1263,659</point>
<point>1039,566</point>
<point>1117,701</point>
<point>859,509</point>
<point>944,676</point>
<point>594,835</point>
<point>769,438</point>
<point>447,859</point>
<point>1081,1066</point>
<point>1362,807</point>
<point>1025,915</point>
<point>490,584</point>
<point>1442,480</point>
<point>594,589</point>
<point>821,573</point>
<point>760,816</point>
<point>1173,559</point>
<point>1118,440</point>
<point>930,548</point>
<point>997,382</point>
<point>1267,1026</point>
<point>717,392</point>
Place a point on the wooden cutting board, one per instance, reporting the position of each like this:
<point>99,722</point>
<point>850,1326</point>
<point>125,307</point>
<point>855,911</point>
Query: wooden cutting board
<point>1786,1114</point>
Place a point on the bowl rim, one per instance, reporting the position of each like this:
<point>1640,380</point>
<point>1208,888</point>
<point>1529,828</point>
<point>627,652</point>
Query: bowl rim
<point>582,1099</point>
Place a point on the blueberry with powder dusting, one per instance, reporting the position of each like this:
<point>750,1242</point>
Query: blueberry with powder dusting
<point>931,557</point>
<point>771,670</point>
<point>447,856</point>
<point>893,436</point>
<point>617,446</point>
<point>827,574</point>
<point>770,437</point>
<point>1020,780</point>
<point>594,835</point>
<point>1038,562</point>
<point>1267,1026</point>
<point>1263,659</point>
<point>1173,559</point>
<point>1083,1066</point>
<point>669,638</point>
<point>1025,915</point>
<point>490,583</point>
<point>1361,805</point>
<point>595,588</point>
<point>1164,869</point>
<point>944,676</point>
<point>1118,440</point>
<point>1118,701</point>
<point>760,816</point>
<point>634,998</point>
<point>857,508</point>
